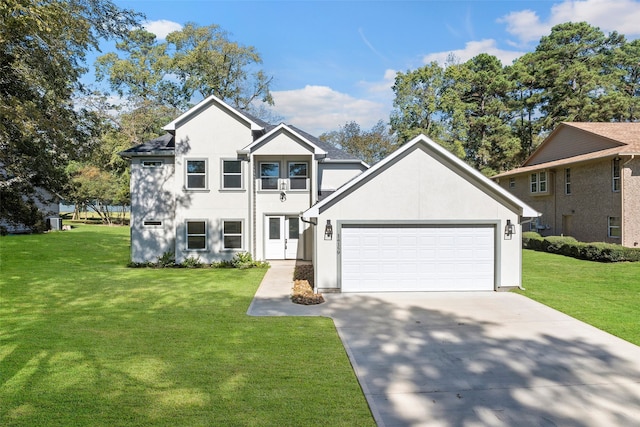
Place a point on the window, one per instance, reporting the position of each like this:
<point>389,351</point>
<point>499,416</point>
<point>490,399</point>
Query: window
<point>269,174</point>
<point>512,183</point>
<point>231,174</point>
<point>615,175</point>
<point>232,234</point>
<point>196,174</point>
<point>274,228</point>
<point>297,176</point>
<point>294,228</point>
<point>614,227</point>
<point>539,182</point>
<point>153,223</point>
<point>567,181</point>
<point>152,163</point>
<point>196,235</point>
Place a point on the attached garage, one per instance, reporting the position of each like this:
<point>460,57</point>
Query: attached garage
<point>419,220</point>
<point>429,257</point>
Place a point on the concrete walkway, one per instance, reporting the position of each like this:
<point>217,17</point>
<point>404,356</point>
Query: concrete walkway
<point>472,359</point>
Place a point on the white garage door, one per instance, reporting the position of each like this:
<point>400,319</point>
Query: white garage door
<point>417,258</point>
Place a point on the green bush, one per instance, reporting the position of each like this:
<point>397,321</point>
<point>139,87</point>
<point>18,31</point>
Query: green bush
<point>241,260</point>
<point>192,262</point>
<point>568,246</point>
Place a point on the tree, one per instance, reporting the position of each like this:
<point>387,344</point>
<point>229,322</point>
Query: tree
<point>417,103</point>
<point>192,63</point>
<point>370,146</point>
<point>571,69</point>
<point>475,105</point>
<point>42,49</point>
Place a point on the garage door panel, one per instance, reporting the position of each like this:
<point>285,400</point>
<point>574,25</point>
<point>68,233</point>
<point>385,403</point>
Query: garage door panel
<point>417,258</point>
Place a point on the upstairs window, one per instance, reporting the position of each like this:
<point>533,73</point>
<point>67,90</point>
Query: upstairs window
<point>269,175</point>
<point>615,175</point>
<point>231,174</point>
<point>297,176</point>
<point>567,181</point>
<point>196,174</point>
<point>512,183</point>
<point>538,182</point>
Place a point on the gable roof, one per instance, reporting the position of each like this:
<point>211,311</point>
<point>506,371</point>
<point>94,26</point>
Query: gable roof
<point>460,167</point>
<point>618,139</point>
<point>321,149</point>
<point>243,116</point>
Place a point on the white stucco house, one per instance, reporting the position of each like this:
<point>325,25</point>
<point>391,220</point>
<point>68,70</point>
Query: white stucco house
<point>221,182</point>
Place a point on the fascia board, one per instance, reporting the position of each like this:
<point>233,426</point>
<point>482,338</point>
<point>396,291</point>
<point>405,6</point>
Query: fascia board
<point>283,127</point>
<point>526,211</point>
<point>171,127</point>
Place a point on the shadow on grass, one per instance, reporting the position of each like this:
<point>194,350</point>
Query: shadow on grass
<point>444,361</point>
<point>86,341</point>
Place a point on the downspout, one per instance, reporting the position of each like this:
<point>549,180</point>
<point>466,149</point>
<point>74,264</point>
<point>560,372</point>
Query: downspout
<point>622,222</point>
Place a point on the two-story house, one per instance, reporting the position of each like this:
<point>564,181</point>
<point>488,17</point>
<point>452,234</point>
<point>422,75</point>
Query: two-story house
<point>585,180</point>
<point>221,181</point>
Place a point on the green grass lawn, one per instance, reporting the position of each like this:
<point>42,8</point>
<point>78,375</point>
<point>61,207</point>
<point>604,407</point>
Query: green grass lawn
<point>86,341</point>
<point>605,295</point>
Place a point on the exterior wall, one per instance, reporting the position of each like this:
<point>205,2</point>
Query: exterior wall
<point>417,188</point>
<point>46,202</point>
<point>213,134</point>
<point>152,199</point>
<point>568,142</point>
<point>631,203</point>
<point>584,213</point>
<point>331,176</point>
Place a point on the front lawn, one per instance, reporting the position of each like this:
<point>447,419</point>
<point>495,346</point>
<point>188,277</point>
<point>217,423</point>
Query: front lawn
<point>86,341</point>
<point>605,295</point>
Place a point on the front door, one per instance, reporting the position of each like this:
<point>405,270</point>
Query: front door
<point>282,237</point>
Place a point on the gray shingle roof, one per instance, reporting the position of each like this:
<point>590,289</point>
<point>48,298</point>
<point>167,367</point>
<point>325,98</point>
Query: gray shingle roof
<point>163,145</point>
<point>333,152</point>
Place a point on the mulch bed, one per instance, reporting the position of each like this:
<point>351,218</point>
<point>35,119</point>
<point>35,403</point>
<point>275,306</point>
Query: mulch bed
<point>303,286</point>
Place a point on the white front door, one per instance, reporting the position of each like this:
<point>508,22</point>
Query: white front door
<point>282,235</point>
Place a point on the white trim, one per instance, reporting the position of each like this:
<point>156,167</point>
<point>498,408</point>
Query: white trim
<point>614,227</point>
<point>205,235</point>
<point>281,128</point>
<point>222,174</point>
<point>205,174</point>
<point>270,162</point>
<point>306,177</point>
<point>242,234</point>
<point>152,163</point>
<point>526,210</point>
<point>171,127</point>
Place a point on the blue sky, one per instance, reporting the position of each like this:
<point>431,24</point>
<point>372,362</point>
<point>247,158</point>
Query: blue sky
<point>335,61</point>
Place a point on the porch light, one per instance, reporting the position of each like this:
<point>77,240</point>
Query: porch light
<point>509,229</point>
<point>328,230</point>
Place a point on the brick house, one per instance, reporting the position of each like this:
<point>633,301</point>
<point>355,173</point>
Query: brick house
<point>585,180</point>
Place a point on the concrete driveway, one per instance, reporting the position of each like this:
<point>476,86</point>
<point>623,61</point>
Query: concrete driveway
<point>473,359</point>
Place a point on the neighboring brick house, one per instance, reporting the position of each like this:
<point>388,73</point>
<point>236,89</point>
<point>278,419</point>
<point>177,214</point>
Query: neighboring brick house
<point>585,180</point>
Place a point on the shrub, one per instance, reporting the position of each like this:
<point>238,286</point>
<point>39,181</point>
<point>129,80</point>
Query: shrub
<point>166,260</point>
<point>303,294</point>
<point>192,262</point>
<point>568,246</point>
<point>241,260</point>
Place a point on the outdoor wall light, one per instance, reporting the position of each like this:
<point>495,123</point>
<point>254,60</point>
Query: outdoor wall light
<point>328,230</point>
<point>509,229</point>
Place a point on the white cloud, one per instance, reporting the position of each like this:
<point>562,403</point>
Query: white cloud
<point>161,28</point>
<point>472,49</point>
<point>609,15</point>
<point>319,109</point>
